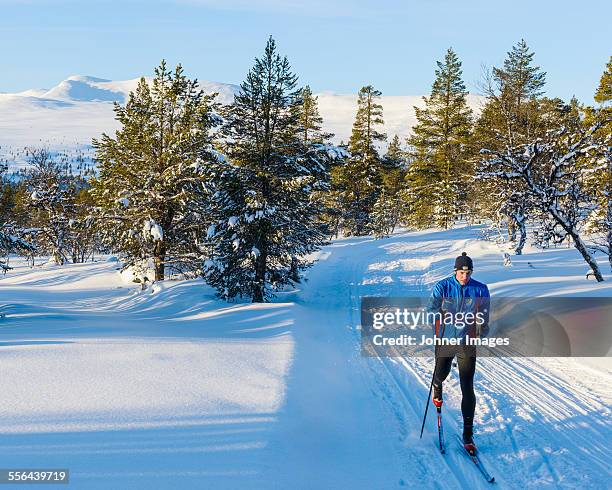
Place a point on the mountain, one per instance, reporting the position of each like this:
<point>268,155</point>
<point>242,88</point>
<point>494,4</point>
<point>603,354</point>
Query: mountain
<point>67,116</point>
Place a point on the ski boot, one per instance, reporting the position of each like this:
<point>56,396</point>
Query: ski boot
<point>468,439</point>
<point>437,396</point>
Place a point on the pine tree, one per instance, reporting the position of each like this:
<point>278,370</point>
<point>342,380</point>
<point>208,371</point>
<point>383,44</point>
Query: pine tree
<point>151,194</point>
<point>441,158</point>
<point>604,90</point>
<point>389,207</point>
<point>515,114</point>
<point>358,182</point>
<point>395,156</point>
<point>265,221</point>
<point>364,135</point>
<point>310,119</point>
<point>518,79</point>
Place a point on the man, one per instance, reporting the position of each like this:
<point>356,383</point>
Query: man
<point>461,294</point>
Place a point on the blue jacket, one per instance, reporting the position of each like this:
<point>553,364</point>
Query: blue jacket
<point>449,295</point>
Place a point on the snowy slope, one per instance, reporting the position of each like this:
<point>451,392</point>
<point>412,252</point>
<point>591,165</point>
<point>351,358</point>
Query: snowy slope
<point>69,115</point>
<point>66,117</point>
<point>170,388</point>
<point>338,112</point>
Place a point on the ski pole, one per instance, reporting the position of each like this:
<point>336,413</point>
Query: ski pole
<point>432,380</point>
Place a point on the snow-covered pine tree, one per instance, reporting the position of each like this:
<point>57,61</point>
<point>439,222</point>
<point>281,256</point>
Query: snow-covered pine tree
<point>357,183</point>
<point>151,194</point>
<point>441,163</point>
<point>553,171</point>
<point>265,219</point>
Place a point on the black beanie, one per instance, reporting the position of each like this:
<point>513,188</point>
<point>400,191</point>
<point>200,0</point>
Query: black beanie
<point>464,263</point>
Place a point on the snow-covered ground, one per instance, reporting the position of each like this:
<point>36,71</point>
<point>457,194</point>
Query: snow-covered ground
<point>171,388</point>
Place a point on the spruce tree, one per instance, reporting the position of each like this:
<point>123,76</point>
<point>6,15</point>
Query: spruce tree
<point>265,222</point>
<point>357,183</point>
<point>151,194</point>
<point>441,160</point>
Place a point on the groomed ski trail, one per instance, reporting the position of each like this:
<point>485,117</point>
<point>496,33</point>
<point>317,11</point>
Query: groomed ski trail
<point>539,422</point>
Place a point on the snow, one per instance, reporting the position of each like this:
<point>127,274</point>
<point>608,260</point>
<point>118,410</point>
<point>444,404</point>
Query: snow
<point>153,229</point>
<point>171,388</point>
<point>156,232</point>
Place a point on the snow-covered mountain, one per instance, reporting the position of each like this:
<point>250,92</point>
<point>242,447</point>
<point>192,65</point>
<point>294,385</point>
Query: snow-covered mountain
<point>67,116</point>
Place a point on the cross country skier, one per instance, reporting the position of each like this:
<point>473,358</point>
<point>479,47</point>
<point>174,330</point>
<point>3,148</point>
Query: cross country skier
<point>460,293</point>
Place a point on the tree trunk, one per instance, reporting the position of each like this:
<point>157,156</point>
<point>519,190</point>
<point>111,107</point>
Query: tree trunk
<point>579,244</point>
<point>294,273</point>
<point>520,221</point>
<point>511,229</point>
<point>260,278</point>
<point>58,258</point>
<point>609,240</point>
<point>159,267</point>
<point>159,259</point>
<point>609,230</point>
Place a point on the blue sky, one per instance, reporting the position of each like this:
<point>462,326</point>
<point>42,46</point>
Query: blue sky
<point>332,45</point>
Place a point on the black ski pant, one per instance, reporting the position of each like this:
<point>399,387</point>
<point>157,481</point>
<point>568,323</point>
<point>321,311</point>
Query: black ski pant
<point>466,360</point>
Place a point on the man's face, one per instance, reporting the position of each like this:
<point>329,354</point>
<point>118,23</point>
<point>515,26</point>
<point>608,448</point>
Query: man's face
<point>463,277</point>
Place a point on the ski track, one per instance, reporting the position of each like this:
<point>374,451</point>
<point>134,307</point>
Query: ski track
<point>421,454</point>
<point>537,424</point>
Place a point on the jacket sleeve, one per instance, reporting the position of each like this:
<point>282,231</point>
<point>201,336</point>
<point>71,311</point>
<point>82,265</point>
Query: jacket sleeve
<point>435,302</point>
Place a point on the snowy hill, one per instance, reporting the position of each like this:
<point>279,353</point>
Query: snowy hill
<point>171,388</point>
<point>67,116</point>
<point>88,89</point>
